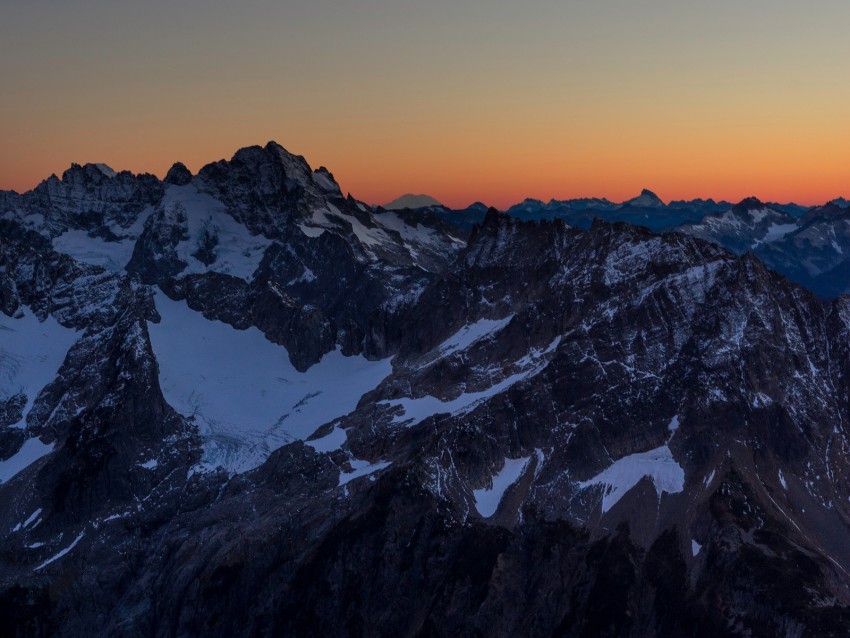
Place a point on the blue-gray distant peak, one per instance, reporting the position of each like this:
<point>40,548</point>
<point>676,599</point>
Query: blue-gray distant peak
<point>646,199</point>
<point>412,201</point>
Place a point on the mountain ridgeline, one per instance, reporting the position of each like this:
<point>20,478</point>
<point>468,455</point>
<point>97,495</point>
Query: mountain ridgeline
<point>809,245</point>
<point>240,403</point>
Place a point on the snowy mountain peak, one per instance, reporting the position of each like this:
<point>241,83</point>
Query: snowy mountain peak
<point>105,169</point>
<point>646,199</point>
<point>748,204</point>
<point>272,168</point>
<point>77,173</point>
<point>325,179</point>
<point>412,201</point>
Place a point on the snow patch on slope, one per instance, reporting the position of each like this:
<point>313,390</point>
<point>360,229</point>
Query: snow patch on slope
<point>109,255</point>
<point>31,353</point>
<point>237,251</point>
<point>673,426</point>
<point>311,231</point>
<point>471,333</point>
<point>413,236</point>
<point>414,411</point>
<point>620,477</point>
<point>326,183</point>
<point>241,389</point>
<point>96,251</point>
<point>367,236</point>
<point>31,451</point>
<point>107,170</point>
<point>61,553</point>
<point>487,499</point>
<point>361,468</point>
<point>777,231</point>
<point>30,519</point>
<point>330,442</point>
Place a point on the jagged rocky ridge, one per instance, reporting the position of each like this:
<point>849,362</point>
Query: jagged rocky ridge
<point>580,432</point>
<point>811,249</point>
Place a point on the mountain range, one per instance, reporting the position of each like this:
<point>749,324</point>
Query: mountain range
<point>239,403</point>
<point>646,209</point>
<point>806,244</point>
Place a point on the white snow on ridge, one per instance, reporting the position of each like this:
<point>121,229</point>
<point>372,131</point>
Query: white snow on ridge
<point>385,229</point>
<point>695,547</point>
<point>325,183</point>
<point>61,553</point>
<point>471,333</point>
<point>31,451</point>
<point>487,499</point>
<point>620,477</point>
<point>414,411</point>
<point>418,234</point>
<point>241,389</point>
<point>758,215</point>
<point>365,235</point>
<point>31,353</point>
<point>361,468</point>
<point>107,170</point>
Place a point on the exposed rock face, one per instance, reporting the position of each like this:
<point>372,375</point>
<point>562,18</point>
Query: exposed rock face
<point>745,226</point>
<point>581,432</point>
<point>816,254</point>
<point>178,175</point>
<point>92,199</point>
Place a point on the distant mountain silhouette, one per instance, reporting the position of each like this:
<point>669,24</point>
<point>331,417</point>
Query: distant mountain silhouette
<point>412,201</point>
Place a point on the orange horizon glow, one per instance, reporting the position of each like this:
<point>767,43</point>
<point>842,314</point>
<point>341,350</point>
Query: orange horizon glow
<point>479,100</point>
<point>487,182</point>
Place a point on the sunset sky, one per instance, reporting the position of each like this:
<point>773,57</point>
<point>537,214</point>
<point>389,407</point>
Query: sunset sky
<point>461,99</point>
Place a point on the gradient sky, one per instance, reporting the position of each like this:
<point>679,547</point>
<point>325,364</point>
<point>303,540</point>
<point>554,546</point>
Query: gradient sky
<point>462,99</point>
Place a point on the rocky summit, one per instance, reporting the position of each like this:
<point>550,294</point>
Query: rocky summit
<point>240,403</point>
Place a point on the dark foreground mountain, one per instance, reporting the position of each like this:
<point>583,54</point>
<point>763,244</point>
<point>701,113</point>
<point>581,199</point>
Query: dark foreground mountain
<point>239,403</point>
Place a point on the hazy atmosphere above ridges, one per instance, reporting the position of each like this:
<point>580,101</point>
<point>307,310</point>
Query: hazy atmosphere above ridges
<point>472,100</point>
